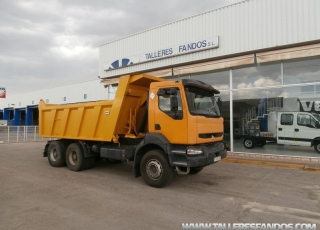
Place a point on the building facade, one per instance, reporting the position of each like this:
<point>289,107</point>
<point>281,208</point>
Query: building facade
<point>263,56</point>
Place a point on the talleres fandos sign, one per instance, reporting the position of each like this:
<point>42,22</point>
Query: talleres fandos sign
<point>175,50</point>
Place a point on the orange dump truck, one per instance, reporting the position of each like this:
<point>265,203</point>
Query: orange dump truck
<point>158,124</point>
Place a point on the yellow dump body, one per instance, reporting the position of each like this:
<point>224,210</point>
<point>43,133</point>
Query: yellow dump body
<point>100,120</point>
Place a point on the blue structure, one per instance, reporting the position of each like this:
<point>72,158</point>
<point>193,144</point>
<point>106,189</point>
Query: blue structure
<point>20,116</point>
<point>8,115</point>
<point>32,115</point>
<point>16,117</point>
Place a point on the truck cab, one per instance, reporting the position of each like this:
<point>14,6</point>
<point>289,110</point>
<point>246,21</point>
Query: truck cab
<point>185,112</point>
<point>184,119</point>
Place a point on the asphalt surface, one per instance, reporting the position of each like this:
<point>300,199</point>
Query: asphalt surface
<point>34,195</point>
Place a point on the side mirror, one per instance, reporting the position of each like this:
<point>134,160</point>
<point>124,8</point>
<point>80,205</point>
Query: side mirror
<point>219,102</point>
<point>174,103</point>
<point>317,124</point>
<point>173,91</point>
<point>161,92</point>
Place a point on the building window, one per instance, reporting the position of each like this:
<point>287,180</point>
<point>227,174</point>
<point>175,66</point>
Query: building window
<point>218,79</point>
<point>47,100</point>
<point>301,71</point>
<point>85,96</point>
<point>257,76</point>
<point>307,89</point>
<point>64,98</point>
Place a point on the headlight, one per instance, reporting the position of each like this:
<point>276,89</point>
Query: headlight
<point>193,152</point>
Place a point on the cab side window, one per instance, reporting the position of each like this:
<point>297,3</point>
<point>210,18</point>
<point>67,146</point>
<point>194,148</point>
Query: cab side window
<point>286,119</point>
<point>306,120</point>
<point>164,104</point>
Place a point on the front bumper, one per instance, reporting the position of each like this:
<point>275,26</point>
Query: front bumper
<point>212,153</point>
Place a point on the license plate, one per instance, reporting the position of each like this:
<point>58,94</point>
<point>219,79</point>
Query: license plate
<point>217,159</point>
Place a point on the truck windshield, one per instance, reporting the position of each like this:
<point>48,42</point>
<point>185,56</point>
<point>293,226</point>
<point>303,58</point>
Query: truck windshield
<point>201,102</point>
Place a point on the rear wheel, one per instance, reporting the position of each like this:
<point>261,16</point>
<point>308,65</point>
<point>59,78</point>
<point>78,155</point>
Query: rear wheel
<point>57,154</point>
<point>75,158</point>
<point>261,143</point>
<point>155,169</point>
<point>249,143</point>
<point>317,147</point>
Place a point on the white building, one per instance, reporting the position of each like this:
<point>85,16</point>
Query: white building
<point>253,51</point>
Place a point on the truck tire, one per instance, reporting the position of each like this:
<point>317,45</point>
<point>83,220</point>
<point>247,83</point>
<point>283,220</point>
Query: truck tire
<point>249,143</point>
<point>75,158</point>
<point>57,154</point>
<point>261,143</point>
<point>155,169</point>
<point>317,147</point>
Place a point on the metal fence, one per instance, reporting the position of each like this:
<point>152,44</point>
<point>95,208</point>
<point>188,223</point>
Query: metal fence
<point>20,134</point>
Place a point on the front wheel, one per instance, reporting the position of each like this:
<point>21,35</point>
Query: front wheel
<point>249,143</point>
<point>155,169</point>
<point>317,147</point>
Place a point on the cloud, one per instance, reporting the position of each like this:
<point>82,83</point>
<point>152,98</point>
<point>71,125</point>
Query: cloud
<point>49,43</point>
<point>260,82</point>
<point>70,46</point>
<point>222,87</point>
<point>257,93</point>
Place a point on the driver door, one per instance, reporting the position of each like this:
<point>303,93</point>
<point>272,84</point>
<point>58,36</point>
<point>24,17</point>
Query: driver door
<point>285,129</point>
<point>305,129</point>
<point>173,125</point>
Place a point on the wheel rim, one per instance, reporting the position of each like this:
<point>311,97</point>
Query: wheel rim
<point>318,147</point>
<point>53,154</point>
<point>248,143</point>
<point>73,157</point>
<point>154,169</point>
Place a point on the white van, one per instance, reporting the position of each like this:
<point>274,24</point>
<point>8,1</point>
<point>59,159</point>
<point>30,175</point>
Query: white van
<point>298,128</point>
<point>290,128</point>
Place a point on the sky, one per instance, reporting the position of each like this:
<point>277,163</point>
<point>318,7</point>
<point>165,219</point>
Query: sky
<point>44,44</point>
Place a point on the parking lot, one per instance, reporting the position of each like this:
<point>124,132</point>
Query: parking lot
<point>34,195</point>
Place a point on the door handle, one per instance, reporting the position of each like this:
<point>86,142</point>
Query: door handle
<point>157,127</point>
<point>296,130</point>
<point>280,129</point>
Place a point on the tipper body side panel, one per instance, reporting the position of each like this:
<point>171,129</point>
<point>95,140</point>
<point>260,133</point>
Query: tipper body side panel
<point>100,120</point>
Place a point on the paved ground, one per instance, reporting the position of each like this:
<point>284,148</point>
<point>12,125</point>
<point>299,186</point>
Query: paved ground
<point>33,195</point>
<point>274,148</point>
